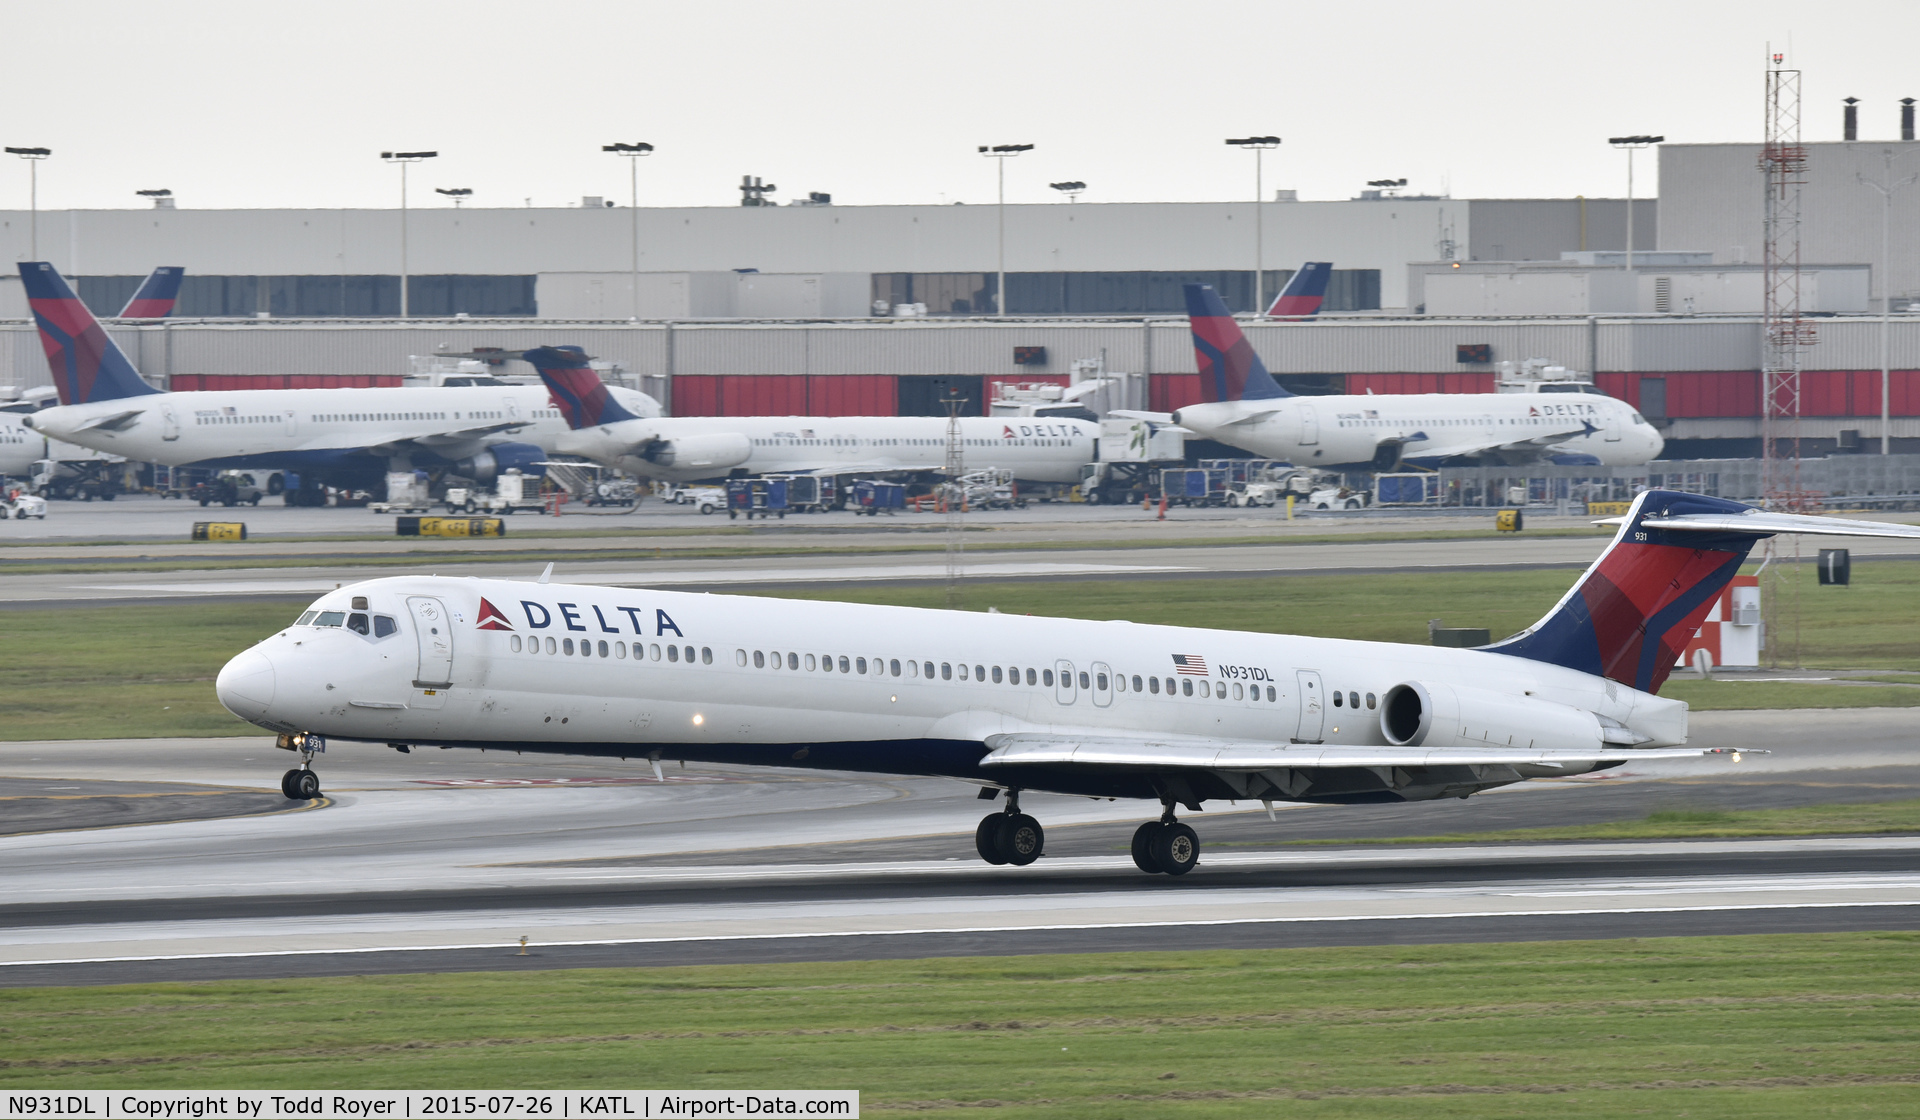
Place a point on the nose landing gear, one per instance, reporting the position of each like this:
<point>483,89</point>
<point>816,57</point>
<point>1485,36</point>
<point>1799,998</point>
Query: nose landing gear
<point>1010,837</point>
<point>301,783</point>
<point>1166,846</point>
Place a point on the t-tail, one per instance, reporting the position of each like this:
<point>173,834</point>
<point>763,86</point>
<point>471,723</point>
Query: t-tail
<point>1631,615</point>
<point>1229,369</point>
<point>1303,295</point>
<point>87,366</point>
<point>576,389</point>
<point>156,295</point>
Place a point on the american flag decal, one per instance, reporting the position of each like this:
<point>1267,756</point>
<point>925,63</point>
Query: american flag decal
<point>1189,665</point>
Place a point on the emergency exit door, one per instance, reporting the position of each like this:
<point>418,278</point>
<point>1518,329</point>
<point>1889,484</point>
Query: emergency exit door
<point>1313,707</point>
<point>433,631</point>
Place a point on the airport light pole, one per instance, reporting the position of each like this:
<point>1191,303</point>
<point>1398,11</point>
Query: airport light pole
<point>1070,189</point>
<point>33,156</point>
<point>403,159</point>
<point>1630,145</point>
<point>1001,153</point>
<point>633,152</point>
<point>1886,189</point>
<point>457,194</point>
<point>1259,145</point>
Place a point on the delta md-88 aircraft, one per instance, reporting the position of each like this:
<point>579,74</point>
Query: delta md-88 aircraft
<point>1171,714</point>
<point>1243,406</point>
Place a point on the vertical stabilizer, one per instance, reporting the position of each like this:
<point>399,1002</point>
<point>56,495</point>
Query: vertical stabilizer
<point>1303,295</point>
<point>576,389</point>
<point>86,365</point>
<point>1229,369</point>
<point>155,297</point>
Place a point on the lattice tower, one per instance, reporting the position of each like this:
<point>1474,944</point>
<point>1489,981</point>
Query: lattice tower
<point>1785,334</point>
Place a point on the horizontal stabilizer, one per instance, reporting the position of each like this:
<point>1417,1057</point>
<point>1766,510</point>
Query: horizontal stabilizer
<point>1765,524</point>
<point>1039,749</point>
<point>1137,414</point>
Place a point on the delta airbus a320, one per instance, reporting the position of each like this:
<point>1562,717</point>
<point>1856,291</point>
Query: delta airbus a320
<point>1170,714</point>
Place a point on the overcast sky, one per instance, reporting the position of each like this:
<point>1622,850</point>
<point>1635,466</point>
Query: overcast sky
<point>245,104</point>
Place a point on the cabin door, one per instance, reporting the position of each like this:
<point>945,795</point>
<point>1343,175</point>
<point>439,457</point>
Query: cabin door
<point>1309,424</point>
<point>1313,707</point>
<point>433,630</point>
<point>169,423</point>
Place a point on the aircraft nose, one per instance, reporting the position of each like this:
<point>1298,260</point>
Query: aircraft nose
<point>245,684</point>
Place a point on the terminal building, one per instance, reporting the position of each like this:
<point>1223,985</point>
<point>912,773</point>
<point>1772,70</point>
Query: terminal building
<point>816,308</point>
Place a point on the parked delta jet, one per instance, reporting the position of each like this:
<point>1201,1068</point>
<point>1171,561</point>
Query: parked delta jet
<point>683,448</point>
<point>1245,407</point>
<point>1304,293</point>
<point>156,295</point>
<point>1172,714</point>
<point>478,430</point>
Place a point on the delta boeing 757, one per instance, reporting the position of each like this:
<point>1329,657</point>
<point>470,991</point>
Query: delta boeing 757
<point>1171,714</point>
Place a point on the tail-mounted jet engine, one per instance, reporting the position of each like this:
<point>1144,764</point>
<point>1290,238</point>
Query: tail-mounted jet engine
<point>1425,714</point>
<point>718,452</point>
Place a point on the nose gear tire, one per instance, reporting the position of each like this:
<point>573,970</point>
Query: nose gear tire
<point>300,785</point>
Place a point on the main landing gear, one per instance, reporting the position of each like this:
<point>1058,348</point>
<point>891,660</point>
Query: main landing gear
<point>301,783</point>
<point>1011,836</point>
<point>1166,846</point>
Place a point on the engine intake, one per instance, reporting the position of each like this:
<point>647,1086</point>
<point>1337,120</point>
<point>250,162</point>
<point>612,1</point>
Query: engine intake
<point>501,458</point>
<point>1426,714</point>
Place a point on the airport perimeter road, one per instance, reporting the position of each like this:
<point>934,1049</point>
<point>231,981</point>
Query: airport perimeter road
<point>443,859</point>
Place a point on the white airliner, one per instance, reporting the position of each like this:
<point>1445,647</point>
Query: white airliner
<point>479,430</point>
<point>684,448</point>
<point>1171,714</point>
<point>1246,408</point>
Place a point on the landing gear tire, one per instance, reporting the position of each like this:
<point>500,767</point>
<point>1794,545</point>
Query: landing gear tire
<point>1023,839</point>
<point>1143,846</point>
<point>986,839</point>
<point>300,785</point>
<point>1176,849</point>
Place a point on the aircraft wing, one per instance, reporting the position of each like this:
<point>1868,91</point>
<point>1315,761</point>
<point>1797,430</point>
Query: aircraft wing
<point>1137,414</point>
<point>838,466</point>
<point>115,422</point>
<point>1421,448</point>
<point>1105,750</point>
<point>465,435</point>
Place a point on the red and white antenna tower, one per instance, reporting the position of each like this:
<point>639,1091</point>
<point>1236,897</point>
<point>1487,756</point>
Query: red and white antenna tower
<point>1783,160</point>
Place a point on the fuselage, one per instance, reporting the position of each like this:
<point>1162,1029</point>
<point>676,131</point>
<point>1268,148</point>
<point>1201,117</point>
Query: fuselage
<point>1350,430</point>
<point>684,448</point>
<point>274,428</point>
<point>633,673</point>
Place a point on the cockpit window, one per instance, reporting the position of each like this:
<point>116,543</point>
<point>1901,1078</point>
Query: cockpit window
<point>383,626</point>
<point>305,618</point>
<point>357,623</point>
<point>330,618</point>
<point>1639,419</point>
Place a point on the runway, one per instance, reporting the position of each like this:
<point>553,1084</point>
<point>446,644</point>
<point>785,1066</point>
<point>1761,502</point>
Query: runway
<point>443,860</point>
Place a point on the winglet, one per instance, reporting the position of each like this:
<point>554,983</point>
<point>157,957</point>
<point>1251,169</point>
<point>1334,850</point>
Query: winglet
<point>546,575</point>
<point>155,297</point>
<point>576,389</point>
<point>87,366</point>
<point>1229,369</point>
<point>1303,295</point>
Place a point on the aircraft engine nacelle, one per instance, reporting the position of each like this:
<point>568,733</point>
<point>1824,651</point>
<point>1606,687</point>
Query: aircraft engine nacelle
<point>501,458</point>
<point>1425,714</point>
<point>717,452</point>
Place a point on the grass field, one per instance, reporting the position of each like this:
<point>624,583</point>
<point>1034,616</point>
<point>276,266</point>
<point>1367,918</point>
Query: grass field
<point>1689,824</point>
<point>1799,1025</point>
<point>147,671</point>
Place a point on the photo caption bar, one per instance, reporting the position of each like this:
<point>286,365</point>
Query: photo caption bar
<point>247,1104</point>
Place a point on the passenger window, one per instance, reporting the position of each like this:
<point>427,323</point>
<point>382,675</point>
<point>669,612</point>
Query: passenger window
<point>513,643</point>
<point>773,659</point>
<point>620,651</point>
<point>859,665</point>
<point>1369,701</point>
<point>1083,679</point>
<point>1100,682</point>
<point>567,645</point>
<point>793,660</point>
<point>913,669</point>
<point>1136,684</point>
<point>706,654</point>
<point>810,663</point>
<point>603,649</point>
<point>895,666</point>
<point>673,654</point>
<point>551,646</point>
<point>843,666</point>
<point>929,670</point>
<point>383,626</point>
<point>1336,698</point>
<point>689,655</point>
<point>1046,677</point>
<point>1153,684</point>
<point>1186,686</point>
<point>996,674</point>
<point>1236,691</point>
<point>759,659</point>
<point>330,618</point>
<point>1205,689</point>
<point>1353,699</point>
<point>946,670</point>
<point>1030,677</point>
<point>305,618</point>
<point>740,657</point>
<point>980,673</point>
<point>1269,693</point>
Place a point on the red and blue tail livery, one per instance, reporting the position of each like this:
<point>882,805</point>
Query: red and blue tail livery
<point>86,365</point>
<point>1229,369</point>
<point>1633,612</point>
<point>1303,295</point>
<point>576,389</point>
<point>157,294</point>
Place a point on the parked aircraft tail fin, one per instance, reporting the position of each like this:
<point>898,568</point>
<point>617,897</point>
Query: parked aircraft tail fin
<point>575,388</point>
<point>87,366</point>
<point>1633,612</point>
<point>1229,369</point>
<point>155,297</point>
<point>1303,295</point>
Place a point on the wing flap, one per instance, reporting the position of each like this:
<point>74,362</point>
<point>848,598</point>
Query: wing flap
<point>1028,748</point>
